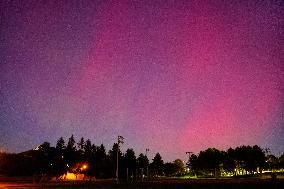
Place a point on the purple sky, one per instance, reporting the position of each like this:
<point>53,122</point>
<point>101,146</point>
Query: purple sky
<point>172,76</point>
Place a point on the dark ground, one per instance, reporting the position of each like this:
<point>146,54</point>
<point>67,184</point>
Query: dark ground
<point>249,183</point>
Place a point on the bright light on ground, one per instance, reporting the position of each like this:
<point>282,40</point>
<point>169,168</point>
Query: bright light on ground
<point>85,166</point>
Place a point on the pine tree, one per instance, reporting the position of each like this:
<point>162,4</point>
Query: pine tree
<point>60,144</point>
<point>71,144</point>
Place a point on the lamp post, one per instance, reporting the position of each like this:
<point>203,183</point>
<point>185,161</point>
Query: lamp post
<point>119,140</point>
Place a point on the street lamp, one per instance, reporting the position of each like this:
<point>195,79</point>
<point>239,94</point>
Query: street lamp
<point>85,166</point>
<point>119,140</point>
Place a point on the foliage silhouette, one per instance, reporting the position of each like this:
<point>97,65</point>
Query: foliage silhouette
<point>55,161</point>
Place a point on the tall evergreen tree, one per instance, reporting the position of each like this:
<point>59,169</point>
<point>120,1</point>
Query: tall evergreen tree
<point>100,162</point>
<point>81,145</point>
<point>142,161</point>
<point>59,164</point>
<point>129,162</point>
<point>157,165</point>
<point>70,152</point>
<point>88,147</point>
<point>71,144</point>
<point>60,144</point>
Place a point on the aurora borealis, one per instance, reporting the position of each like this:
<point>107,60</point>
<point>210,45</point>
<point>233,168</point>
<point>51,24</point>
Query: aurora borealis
<point>172,76</point>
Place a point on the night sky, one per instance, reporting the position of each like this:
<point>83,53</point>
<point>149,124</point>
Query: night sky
<point>171,76</point>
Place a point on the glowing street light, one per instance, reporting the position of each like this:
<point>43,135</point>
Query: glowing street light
<point>85,166</point>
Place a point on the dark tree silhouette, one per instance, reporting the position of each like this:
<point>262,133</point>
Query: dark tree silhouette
<point>175,168</point>
<point>88,150</point>
<point>272,162</point>
<point>44,147</point>
<point>250,158</point>
<point>229,163</point>
<point>142,161</point>
<point>60,144</point>
<point>45,157</point>
<point>71,144</point>
<point>100,162</point>
<point>18,164</point>
<point>169,169</point>
<point>81,145</point>
<point>179,167</point>
<point>193,164</point>
<point>157,165</point>
<point>281,161</point>
<point>209,161</point>
<point>70,152</point>
<point>129,162</point>
<point>54,161</point>
<point>59,164</point>
<point>258,158</point>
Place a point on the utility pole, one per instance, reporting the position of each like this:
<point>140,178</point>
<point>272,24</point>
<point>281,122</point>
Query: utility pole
<point>188,154</point>
<point>188,157</point>
<point>147,150</point>
<point>119,140</point>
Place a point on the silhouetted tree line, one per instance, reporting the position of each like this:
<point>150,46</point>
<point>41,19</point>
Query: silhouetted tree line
<point>56,161</point>
<point>242,160</point>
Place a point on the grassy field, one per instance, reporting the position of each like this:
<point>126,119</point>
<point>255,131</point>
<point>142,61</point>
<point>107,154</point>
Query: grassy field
<point>154,184</point>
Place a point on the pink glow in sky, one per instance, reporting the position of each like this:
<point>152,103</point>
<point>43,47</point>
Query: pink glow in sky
<point>172,76</point>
